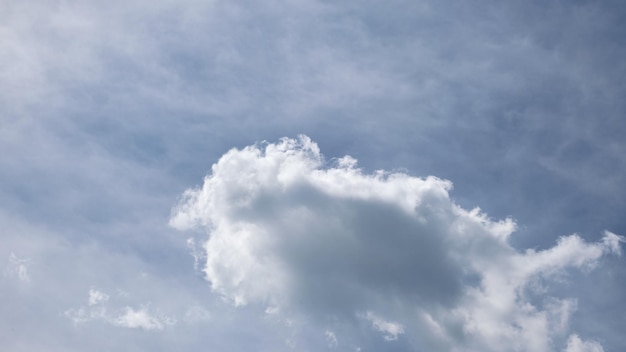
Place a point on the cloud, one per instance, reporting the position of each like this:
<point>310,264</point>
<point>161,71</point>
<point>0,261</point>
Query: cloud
<point>331,338</point>
<point>391,330</point>
<point>122,97</point>
<point>575,344</point>
<point>141,318</point>
<point>197,314</point>
<point>97,297</point>
<point>326,241</point>
<point>128,317</point>
<point>17,267</point>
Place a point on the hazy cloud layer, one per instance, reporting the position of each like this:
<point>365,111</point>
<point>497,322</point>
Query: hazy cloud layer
<point>109,110</point>
<point>323,240</point>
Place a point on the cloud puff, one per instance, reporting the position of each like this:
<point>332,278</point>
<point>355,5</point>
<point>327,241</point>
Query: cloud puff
<point>330,242</point>
<point>97,297</point>
<point>140,318</point>
<point>575,344</point>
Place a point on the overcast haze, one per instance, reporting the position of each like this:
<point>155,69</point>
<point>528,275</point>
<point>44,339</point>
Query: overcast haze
<point>312,175</point>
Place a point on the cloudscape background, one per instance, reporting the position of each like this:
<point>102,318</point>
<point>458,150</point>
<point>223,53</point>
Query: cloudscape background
<point>312,175</point>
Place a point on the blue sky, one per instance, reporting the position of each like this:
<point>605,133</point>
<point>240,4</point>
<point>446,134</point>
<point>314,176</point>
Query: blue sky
<point>130,222</point>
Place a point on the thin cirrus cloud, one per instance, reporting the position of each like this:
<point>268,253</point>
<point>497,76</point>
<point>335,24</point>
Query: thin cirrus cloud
<point>17,268</point>
<point>97,309</point>
<point>326,242</point>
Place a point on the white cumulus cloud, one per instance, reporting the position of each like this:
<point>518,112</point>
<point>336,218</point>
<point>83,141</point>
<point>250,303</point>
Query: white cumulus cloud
<point>326,240</point>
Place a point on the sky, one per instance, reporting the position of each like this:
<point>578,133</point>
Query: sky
<point>304,175</point>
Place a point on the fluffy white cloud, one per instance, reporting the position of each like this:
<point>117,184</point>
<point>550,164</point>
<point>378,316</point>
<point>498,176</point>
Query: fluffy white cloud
<point>328,241</point>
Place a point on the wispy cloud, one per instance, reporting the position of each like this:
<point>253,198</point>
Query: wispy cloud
<point>141,318</point>
<point>18,268</point>
<point>98,309</point>
<point>390,329</point>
